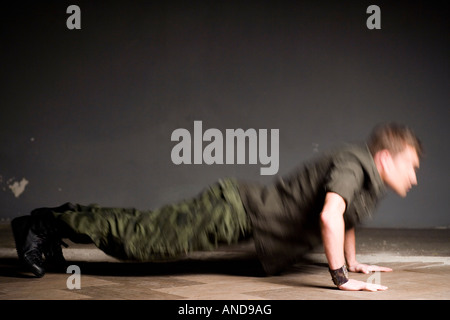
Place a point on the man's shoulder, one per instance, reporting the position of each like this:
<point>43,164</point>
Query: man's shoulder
<point>352,152</point>
<point>358,155</point>
<point>346,155</point>
<point>357,149</point>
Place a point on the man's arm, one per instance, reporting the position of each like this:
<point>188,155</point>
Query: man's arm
<point>350,248</point>
<point>333,235</point>
<point>332,228</point>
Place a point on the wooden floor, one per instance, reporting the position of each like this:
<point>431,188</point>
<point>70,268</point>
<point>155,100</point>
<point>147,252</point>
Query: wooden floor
<point>420,259</point>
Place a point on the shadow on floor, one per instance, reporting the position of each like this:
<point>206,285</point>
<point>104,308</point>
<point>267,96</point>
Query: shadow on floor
<point>241,267</point>
<point>247,266</point>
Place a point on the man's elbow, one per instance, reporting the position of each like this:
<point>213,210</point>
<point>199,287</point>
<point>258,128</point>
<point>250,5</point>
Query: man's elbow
<point>326,220</point>
<point>330,219</point>
<point>333,210</point>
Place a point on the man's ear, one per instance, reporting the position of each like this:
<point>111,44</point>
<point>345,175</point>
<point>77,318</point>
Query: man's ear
<point>385,159</point>
<point>382,160</point>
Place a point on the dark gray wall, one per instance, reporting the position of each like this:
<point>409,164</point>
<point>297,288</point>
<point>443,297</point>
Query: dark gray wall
<point>87,115</point>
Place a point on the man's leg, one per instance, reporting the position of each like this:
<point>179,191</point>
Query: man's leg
<point>214,216</point>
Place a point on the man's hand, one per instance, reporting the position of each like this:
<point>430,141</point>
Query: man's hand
<point>355,285</point>
<point>365,268</point>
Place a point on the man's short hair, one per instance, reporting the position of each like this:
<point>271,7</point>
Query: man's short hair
<point>393,137</point>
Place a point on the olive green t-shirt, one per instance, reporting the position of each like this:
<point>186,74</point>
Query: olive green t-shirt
<point>285,215</point>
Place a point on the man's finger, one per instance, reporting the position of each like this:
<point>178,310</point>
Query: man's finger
<point>375,287</point>
<point>370,288</point>
<point>378,268</point>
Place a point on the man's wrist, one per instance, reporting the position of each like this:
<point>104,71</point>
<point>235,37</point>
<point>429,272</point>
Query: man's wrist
<point>351,263</point>
<point>339,276</point>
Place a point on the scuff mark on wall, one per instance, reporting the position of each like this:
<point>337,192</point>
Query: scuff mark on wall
<point>315,147</point>
<point>18,188</point>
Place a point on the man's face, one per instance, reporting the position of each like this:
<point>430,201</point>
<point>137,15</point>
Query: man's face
<point>401,169</point>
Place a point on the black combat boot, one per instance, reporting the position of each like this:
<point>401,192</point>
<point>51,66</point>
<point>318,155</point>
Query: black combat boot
<point>28,245</point>
<point>38,235</point>
<point>52,249</point>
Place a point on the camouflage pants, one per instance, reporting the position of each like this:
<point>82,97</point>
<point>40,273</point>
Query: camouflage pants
<point>215,216</point>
